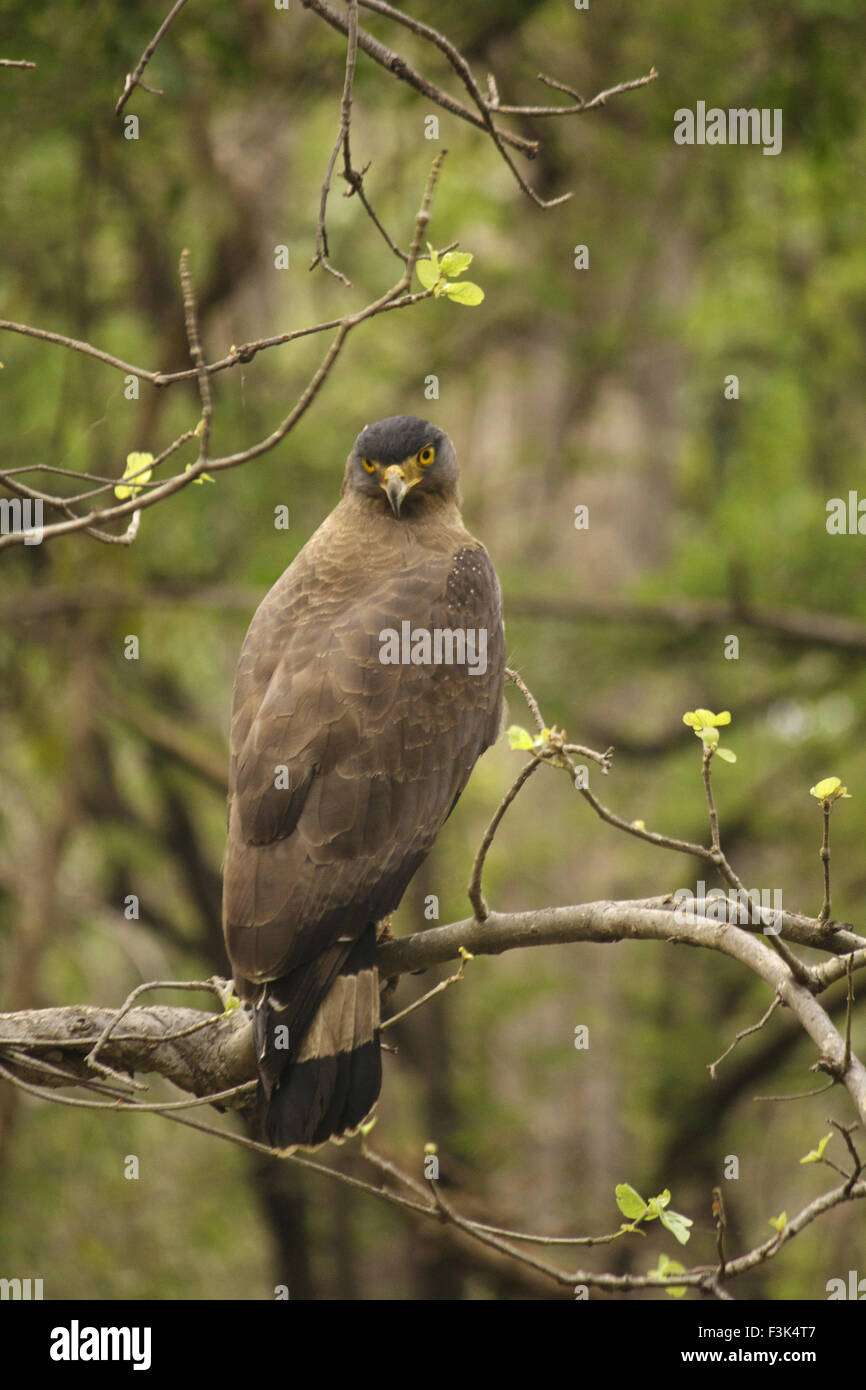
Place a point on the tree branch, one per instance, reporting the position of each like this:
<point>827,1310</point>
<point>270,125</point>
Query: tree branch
<point>397,295</point>
<point>601,922</point>
<point>133,79</point>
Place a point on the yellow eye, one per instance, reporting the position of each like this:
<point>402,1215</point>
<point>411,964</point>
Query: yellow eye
<point>426,456</point>
<point>370,467</point>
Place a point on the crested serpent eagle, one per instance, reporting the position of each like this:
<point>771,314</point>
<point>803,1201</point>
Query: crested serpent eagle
<point>370,681</point>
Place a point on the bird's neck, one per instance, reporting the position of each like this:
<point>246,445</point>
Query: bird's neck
<point>436,525</point>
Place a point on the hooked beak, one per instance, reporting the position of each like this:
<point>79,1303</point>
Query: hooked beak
<point>395,486</point>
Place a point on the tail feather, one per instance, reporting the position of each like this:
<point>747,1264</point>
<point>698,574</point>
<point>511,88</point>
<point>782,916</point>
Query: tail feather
<point>325,1078</point>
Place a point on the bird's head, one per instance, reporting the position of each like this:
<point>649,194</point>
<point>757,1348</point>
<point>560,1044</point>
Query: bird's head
<point>401,463</point>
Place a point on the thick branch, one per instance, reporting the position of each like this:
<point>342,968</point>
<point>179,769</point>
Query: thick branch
<point>214,1054</point>
<point>195,1064</point>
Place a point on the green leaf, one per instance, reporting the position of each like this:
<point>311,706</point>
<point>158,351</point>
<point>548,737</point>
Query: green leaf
<point>815,1155</point>
<point>677,1224</point>
<point>454,263</point>
<point>710,736</point>
<point>705,716</point>
<point>202,478</point>
<point>519,738</point>
<point>779,1223</point>
<point>232,1002</point>
<point>630,1203</point>
<point>427,273</point>
<point>136,463</point>
<point>825,788</point>
<point>830,789</point>
<point>726,755</point>
<point>465,293</point>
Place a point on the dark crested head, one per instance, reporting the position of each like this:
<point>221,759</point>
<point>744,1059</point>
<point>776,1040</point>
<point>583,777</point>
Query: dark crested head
<point>401,464</point>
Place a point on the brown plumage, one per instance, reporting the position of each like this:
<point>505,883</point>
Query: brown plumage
<point>344,766</point>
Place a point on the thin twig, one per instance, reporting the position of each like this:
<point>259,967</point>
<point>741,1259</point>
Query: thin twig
<point>342,140</point>
<point>744,1033</point>
<point>152,1107</point>
<point>711,805</point>
<point>353,177</point>
<point>393,298</point>
<point>824,914</point>
<point>431,993</point>
<point>209,986</point>
<point>464,72</point>
<point>528,697</point>
<point>845,1131</point>
<point>397,66</point>
<point>721,1223</point>
<point>476,897</point>
<point>801,1095</point>
<point>132,79</point>
<point>190,313</point>
<point>581,105</point>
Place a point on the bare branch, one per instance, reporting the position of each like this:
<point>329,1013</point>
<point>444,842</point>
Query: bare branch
<point>190,312</point>
<point>824,914</point>
<point>745,1033</point>
<point>431,994</point>
<point>133,79</point>
<point>464,72</point>
<point>321,256</point>
<point>91,1060</point>
<point>353,177</point>
<point>711,805</point>
<point>476,897</point>
<point>580,105</point>
<point>392,298</point>
<point>201,1053</point>
<point>608,922</point>
<point>528,697</point>
<point>398,67</point>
